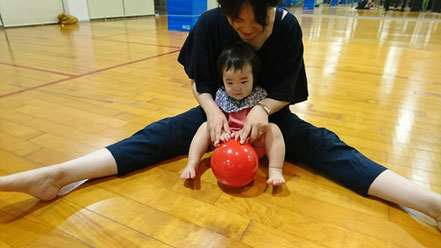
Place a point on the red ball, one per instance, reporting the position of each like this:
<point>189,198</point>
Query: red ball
<point>233,164</point>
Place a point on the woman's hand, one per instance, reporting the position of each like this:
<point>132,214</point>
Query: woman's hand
<point>216,120</point>
<point>255,125</point>
<point>217,124</point>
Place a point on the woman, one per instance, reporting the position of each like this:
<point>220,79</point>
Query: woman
<point>277,37</point>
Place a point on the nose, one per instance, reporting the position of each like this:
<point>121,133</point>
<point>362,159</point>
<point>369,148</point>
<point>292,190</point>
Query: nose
<point>248,27</point>
<point>238,89</point>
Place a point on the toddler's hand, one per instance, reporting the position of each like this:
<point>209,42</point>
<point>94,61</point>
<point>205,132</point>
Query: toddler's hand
<point>224,137</point>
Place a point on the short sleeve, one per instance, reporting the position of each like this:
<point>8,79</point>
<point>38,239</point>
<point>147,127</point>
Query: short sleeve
<point>198,57</point>
<point>288,82</point>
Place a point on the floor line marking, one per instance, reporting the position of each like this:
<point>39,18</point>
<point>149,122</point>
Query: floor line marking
<point>137,43</point>
<point>37,69</point>
<point>85,74</point>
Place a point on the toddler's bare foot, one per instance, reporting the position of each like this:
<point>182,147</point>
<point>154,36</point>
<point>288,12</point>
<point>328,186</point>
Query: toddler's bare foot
<point>189,172</point>
<point>40,183</point>
<point>275,177</point>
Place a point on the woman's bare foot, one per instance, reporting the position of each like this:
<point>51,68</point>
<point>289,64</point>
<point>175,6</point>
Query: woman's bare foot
<point>40,183</point>
<point>438,221</point>
<point>275,177</point>
<point>190,170</point>
<point>436,210</point>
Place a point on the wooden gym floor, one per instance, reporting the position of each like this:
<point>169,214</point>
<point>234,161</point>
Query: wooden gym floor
<point>374,79</point>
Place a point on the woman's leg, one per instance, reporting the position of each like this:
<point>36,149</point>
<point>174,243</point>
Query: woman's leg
<point>45,183</point>
<point>322,150</point>
<point>157,142</point>
<point>395,188</point>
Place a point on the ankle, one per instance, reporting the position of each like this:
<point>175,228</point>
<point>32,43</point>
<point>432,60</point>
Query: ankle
<point>435,207</point>
<point>275,169</point>
<point>56,175</point>
<point>192,163</point>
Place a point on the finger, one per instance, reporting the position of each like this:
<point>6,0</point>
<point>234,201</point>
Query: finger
<point>237,136</point>
<point>217,134</point>
<point>226,127</point>
<point>254,134</point>
<point>212,135</point>
<point>244,133</point>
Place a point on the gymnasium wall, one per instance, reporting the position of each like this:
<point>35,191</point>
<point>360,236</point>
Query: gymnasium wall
<point>29,12</point>
<point>77,8</point>
<point>33,12</point>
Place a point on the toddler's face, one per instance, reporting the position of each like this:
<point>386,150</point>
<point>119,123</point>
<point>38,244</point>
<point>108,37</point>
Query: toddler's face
<point>238,83</point>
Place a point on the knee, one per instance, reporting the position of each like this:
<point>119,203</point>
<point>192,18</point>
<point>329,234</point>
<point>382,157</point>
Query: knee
<point>325,135</point>
<point>204,126</point>
<point>203,129</point>
<point>274,130</point>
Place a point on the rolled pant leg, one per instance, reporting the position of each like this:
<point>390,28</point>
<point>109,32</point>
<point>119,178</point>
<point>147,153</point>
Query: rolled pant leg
<point>159,141</point>
<point>323,151</point>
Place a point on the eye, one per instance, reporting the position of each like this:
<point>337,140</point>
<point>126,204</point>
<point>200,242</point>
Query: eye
<point>229,83</point>
<point>244,82</point>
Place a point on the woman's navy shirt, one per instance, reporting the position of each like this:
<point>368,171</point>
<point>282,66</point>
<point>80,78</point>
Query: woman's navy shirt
<point>282,72</point>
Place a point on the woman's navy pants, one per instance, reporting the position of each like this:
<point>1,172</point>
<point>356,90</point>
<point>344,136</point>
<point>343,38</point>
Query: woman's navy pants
<point>315,147</point>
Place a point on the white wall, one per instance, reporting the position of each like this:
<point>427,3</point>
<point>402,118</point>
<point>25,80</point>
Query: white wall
<point>211,4</point>
<point>119,8</point>
<point>29,12</point>
<point>77,8</point>
<point>105,8</point>
<point>139,7</point>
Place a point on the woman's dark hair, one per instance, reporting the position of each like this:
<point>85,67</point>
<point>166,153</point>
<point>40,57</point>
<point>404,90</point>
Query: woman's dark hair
<point>236,56</point>
<point>231,8</point>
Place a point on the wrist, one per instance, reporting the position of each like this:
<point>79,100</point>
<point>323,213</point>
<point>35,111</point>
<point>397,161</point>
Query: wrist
<point>265,107</point>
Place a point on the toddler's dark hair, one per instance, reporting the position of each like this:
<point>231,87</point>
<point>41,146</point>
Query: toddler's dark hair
<point>236,56</point>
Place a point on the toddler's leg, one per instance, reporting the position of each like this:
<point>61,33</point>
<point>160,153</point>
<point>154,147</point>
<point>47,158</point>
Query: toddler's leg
<point>198,147</point>
<point>275,151</point>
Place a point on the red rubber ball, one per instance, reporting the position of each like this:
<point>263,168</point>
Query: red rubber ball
<point>233,164</point>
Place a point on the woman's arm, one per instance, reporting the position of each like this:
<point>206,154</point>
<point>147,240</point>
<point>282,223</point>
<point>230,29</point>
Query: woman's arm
<point>274,105</point>
<point>257,120</point>
<point>216,120</point>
